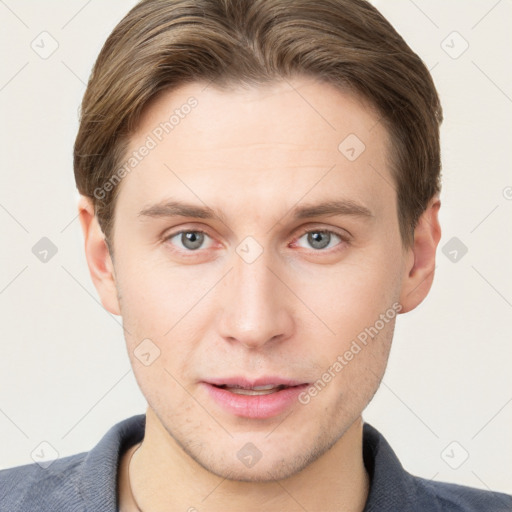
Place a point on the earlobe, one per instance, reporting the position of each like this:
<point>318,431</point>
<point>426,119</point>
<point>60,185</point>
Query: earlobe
<point>419,271</point>
<point>98,256</point>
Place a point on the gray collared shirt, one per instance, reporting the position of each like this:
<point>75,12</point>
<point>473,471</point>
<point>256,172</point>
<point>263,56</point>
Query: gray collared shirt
<point>88,481</point>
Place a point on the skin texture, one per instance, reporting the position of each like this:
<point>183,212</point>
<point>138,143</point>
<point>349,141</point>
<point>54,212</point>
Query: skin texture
<point>254,154</point>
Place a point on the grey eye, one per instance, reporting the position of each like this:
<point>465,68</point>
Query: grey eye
<point>192,239</point>
<point>320,239</point>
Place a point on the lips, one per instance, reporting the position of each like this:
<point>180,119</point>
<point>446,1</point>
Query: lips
<point>260,382</point>
<point>254,398</point>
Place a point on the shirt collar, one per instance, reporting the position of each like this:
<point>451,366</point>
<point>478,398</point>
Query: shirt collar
<point>98,484</point>
<point>391,487</point>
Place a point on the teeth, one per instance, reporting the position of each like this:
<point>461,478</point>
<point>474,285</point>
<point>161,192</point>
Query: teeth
<point>258,390</point>
<point>264,388</point>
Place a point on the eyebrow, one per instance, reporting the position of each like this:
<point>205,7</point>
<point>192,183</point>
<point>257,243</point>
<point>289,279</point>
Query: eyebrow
<point>171,208</point>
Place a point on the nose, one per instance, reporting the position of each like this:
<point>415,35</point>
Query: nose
<point>255,305</point>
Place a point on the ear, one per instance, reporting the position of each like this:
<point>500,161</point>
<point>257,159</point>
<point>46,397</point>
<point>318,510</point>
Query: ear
<point>98,257</point>
<point>421,258</point>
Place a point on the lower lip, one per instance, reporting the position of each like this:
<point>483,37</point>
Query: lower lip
<point>255,406</point>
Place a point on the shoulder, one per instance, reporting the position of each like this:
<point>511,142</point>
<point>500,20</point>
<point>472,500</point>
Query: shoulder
<point>394,489</point>
<point>76,483</point>
<point>443,496</point>
<point>34,487</point>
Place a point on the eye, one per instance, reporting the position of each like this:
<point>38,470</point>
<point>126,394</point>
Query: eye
<point>194,240</point>
<point>190,240</point>
<point>320,239</point>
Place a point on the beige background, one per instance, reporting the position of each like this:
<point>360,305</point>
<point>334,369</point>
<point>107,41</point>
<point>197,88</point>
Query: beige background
<point>65,377</point>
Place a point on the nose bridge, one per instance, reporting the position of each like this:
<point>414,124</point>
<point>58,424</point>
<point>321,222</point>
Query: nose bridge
<point>255,309</point>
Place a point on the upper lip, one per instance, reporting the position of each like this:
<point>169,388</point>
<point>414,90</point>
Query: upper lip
<point>244,382</point>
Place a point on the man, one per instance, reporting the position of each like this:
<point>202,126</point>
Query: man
<point>259,199</point>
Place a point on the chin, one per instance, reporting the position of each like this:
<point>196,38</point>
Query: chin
<point>261,473</point>
<point>249,464</point>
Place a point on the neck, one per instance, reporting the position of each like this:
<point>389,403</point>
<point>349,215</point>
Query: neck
<point>164,477</point>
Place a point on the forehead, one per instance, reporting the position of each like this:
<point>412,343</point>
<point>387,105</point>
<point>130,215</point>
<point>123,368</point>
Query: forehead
<point>287,139</point>
<point>304,106</point>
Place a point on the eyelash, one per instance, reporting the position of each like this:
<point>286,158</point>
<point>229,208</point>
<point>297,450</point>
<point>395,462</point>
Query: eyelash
<point>344,239</point>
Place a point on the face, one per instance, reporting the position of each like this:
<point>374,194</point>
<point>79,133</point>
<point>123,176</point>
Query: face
<point>251,250</point>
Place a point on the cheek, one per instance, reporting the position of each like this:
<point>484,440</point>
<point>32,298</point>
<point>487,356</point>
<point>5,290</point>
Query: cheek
<point>352,369</point>
<point>351,297</point>
<point>165,316</point>
<point>155,296</point>
<point>358,302</point>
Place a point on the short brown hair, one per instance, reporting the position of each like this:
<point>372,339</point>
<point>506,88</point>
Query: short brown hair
<point>162,44</point>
